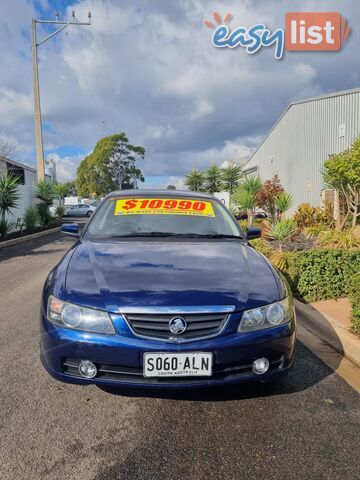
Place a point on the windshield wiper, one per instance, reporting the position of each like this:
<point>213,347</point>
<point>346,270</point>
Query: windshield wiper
<point>145,234</point>
<point>211,235</point>
<point>171,234</point>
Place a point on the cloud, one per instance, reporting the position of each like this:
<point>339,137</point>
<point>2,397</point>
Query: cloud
<point>149,69</point>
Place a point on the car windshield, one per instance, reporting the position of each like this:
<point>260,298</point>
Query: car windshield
<point>162,216</point>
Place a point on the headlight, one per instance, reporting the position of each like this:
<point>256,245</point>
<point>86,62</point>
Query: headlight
<point>265,317</point>
<point>78,318</point>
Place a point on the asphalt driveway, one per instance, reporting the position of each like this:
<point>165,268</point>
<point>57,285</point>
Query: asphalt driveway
<point>305,427</point>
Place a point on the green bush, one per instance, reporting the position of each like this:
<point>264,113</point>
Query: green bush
<point>323,274</point>
<point>60,211</point>
<point>309,216</point>
<point>5,227</point>
<point>282,229</point>
<point>354,297</point>
<point>31,218</point>
<point>44,214</point>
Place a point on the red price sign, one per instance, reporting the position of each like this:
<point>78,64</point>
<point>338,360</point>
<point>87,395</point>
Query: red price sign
<point>163,206</point>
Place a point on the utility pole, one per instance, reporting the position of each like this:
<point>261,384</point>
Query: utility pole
<point>37,107</point>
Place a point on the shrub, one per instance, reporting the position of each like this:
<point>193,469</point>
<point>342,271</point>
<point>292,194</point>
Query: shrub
<point>314,231</point>
<point>323,274</point>
<point>5,227</point>
<point>309,216</point>
<point>266,197</point>
<point>9,195</point>
<point>44,214</point>
<point>59,212</point>
<point>261,246</point>
<point>282,229</point>
<point>354,297</point>
<point>281,260</point>
<point>31,218</point>
<point>335,239</point>
<point>283,202</point>
<point>19,224</point>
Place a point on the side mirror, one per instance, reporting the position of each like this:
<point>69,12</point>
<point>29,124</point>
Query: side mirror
<point>71,229</point>
<point>253,232</point>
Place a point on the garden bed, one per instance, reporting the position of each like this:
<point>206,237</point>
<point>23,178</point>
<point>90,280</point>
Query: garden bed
<point>25,233</point>
<point>315,273</point>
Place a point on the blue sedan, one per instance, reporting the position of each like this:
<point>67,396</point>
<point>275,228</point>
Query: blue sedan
<point>163,289</point>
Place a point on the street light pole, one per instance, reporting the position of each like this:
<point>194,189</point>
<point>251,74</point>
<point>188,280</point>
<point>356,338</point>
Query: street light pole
<point>37,110</point>
<point>37,107</point>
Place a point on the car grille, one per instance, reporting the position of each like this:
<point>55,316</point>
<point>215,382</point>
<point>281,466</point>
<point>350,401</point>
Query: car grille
<point>199,325</point>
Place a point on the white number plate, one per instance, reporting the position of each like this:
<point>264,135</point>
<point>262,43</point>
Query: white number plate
<point>197,364</point>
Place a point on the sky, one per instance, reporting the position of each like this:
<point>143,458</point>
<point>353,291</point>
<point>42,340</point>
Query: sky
<point>149,68</point>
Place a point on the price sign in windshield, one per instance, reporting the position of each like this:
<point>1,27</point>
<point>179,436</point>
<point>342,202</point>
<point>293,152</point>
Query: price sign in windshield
<point>163,206</point>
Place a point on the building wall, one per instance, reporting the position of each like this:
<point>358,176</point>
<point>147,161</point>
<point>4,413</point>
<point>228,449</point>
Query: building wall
<point>26,191</point>
<point>302,140</point>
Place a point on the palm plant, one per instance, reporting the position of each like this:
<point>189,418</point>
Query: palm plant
<point>195,180</point>
<point>9,195</point>
<point>31,218</point>
<point>61,190</point>
<point>231,176</point>
<point>5,227</point>
<point>282,229</point>
<point>245,200</point>
<point>283,202</point>
<point>213,179</point>
<point>45,191</point>
<point>245,195</point>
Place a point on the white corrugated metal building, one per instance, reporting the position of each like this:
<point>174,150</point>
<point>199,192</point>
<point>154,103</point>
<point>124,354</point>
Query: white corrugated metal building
<point>303,138</point>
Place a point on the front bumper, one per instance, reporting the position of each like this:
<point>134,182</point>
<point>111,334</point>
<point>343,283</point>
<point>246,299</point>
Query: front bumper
<point>119,357</point>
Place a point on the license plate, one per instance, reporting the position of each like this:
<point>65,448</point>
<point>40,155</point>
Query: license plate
<point>198,364</point>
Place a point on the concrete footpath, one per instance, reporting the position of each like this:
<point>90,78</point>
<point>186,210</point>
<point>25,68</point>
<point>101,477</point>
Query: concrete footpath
<point>330,321</point>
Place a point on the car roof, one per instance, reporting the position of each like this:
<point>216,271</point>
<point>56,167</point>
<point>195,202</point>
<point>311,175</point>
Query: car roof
<point>159,192</point>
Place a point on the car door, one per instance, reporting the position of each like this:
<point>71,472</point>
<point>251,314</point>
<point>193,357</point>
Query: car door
<point>76,210</point>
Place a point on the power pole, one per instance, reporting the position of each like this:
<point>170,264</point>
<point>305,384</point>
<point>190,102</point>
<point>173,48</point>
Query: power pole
<point>37,107</point>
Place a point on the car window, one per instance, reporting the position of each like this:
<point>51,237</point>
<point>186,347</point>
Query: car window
<point>162,215</point>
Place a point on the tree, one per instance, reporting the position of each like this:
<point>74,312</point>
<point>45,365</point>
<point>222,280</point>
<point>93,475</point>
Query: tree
<point>213,179</point>
<point>7,150</point>
<point>111,166</point>
<point>9,197</point>
<point>61,191</point>
<point>231,176</point>
<point>283,202</point>
<point>245,196</point>
<point>267,195</point>
<point>342,173</point>
<point>70,188</point>
<point>195,180</point>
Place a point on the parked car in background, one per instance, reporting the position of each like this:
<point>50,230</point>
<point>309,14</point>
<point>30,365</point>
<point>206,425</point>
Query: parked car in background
<point>244,215</point>
<point>81,210</point>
